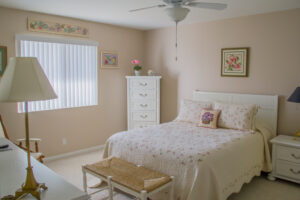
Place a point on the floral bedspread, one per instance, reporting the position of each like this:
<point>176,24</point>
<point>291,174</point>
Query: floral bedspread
<point>208,164</point>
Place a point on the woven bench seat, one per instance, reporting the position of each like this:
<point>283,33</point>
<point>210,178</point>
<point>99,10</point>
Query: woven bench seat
<point>138,179</point>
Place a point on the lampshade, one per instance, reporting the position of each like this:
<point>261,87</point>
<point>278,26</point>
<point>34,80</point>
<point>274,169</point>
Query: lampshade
<point>295,97</point>
<point>25,80</point>
<point>177,13</point>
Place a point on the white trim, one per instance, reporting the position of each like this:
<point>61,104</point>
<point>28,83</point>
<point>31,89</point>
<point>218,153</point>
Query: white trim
<point>73,153</point>
<point>55,39</point>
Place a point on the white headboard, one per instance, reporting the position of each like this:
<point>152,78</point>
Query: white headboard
<point>268,104</point>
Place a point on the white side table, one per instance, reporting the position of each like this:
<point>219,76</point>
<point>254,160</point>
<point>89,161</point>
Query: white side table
<point>285,158</point>
<point>13,174</point>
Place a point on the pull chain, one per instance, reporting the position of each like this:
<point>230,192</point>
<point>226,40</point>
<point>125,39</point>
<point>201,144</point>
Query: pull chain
<point>176,58</point>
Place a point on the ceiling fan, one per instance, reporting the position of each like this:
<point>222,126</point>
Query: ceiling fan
<point>177,9</point>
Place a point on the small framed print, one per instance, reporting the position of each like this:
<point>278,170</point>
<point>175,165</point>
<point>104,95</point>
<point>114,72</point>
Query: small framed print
<point>234,62</point>
<point>3,59</point>
<point>109,60</point>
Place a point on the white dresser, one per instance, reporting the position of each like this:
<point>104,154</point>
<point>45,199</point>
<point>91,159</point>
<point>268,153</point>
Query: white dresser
<point>286,158</point>
<point>143,101</point>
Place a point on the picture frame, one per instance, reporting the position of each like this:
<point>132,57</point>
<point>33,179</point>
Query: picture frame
<point>109,60</point>
<point>234,62</point>
<point>3,59</point>
<point>43,26</point>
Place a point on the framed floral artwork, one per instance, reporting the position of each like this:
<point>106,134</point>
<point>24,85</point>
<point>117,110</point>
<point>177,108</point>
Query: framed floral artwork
<point>57,28</point>
<point>235,62</point>
<point>109,60</point>
<point>3,59</point>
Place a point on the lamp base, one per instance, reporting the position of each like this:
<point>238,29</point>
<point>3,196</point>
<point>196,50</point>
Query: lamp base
<point>297,135</point>
<point>31,186</point>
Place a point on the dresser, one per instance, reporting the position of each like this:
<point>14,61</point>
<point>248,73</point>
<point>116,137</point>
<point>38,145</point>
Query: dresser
<point>285,158</point>
<point>143,101</point>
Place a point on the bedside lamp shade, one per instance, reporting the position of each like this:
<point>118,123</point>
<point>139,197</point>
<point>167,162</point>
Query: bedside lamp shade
<point>295,97</point>
<point>24,80</point>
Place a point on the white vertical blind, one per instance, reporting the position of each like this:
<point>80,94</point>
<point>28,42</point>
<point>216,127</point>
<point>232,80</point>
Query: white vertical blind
<point>70,68</point>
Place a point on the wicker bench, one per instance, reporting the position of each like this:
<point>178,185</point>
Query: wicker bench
<point>127,177</point>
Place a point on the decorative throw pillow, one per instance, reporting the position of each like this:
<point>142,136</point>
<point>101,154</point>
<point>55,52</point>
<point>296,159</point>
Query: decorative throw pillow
<point>209,118</point>
<point>190,111</point>
<point>236,116</point>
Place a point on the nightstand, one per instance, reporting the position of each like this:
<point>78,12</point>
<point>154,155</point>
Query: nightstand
<point>285,158</point>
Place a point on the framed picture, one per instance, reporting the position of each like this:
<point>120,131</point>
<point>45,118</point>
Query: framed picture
<point>3,59</point>
<point>109,60</point>
<point>57,28</point>
<point>235,62</point>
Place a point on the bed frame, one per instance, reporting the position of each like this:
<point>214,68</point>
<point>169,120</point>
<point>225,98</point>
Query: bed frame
<point>267,104</point>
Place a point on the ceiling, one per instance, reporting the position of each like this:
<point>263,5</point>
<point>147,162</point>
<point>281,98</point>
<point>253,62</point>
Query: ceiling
<point>116,11</point>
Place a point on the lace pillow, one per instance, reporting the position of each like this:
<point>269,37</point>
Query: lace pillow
<point>209,118</point>
<point>190,111</point>
<point>236,116</point>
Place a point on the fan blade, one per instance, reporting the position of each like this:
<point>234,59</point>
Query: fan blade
<point>156,6</point>
<point>215,6</point>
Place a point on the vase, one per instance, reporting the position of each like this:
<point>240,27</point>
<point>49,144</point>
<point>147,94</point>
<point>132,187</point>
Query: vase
<point>137,72</point>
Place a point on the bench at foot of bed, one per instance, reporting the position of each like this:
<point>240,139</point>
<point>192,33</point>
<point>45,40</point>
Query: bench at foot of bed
<point>127,177</point>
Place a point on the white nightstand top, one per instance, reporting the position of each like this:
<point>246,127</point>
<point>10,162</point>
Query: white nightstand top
<point>286,140</point>
<point>135,77</point>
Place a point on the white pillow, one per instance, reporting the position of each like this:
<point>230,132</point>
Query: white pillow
<point>236,116</point>
<point>190,111</point>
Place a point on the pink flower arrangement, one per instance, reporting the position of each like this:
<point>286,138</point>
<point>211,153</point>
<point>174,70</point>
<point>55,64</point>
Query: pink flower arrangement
<point>136,63</point>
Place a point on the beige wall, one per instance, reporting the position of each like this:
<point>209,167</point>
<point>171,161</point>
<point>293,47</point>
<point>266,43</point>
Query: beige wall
<point>274,69</point>
<point>274,41</point>
<point>82,127</point>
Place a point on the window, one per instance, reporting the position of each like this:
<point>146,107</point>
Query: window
<point>71,67</point>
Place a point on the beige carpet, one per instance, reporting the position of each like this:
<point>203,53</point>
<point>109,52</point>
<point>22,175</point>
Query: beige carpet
<point>258,189</point>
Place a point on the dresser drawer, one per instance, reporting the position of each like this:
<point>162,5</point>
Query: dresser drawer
<point>137,124</point>
<point>144,116</point>
<point>288,153</point>
<point>143,83</point>
<point>143,94</point>
<point>143,104</point>
<point>288,169</point>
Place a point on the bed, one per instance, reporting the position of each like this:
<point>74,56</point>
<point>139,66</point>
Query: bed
<point>208,164</point>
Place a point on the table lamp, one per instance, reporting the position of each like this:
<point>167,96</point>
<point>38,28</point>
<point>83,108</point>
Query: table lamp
<point>24,80</point>
<point>295,97</point>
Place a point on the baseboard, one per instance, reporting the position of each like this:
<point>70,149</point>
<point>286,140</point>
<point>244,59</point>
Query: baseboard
<point>65,155</point>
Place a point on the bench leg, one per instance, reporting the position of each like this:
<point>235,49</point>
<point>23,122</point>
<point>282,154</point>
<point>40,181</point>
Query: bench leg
<point>143,195</point>
<point>171,195</point>
<point>84,180</point>
<point>110,188</point>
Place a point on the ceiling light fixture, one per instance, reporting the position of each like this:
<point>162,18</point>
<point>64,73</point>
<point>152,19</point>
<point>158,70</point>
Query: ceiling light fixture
<point>177,14</point>
<point>178,11</point>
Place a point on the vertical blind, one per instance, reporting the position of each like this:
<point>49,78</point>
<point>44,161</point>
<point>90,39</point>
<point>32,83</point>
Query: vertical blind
<point>70,67</point>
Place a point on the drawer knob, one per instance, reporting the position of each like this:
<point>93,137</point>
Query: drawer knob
<point>144,116</point>
<point>294,172</point>
<point>143,95</point>
<point>294,156</point>
<point>144,105</point>
<point>143,84</point>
